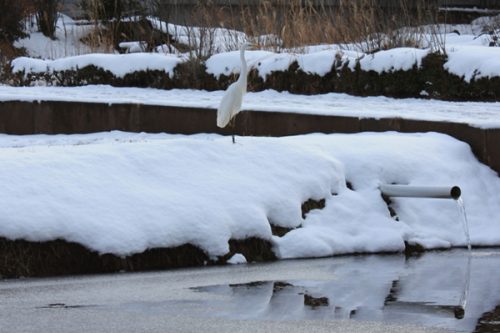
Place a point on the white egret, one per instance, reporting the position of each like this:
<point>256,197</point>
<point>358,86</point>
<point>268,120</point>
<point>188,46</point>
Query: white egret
<point>230,105</point>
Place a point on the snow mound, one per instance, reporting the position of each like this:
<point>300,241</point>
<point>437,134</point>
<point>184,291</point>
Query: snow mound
<point>473,62</point>
<point>118,64</point>
<point>237,259</point>
<point>227,63</point>
<point>123,193</point>
<point>319,63</point>
<point>124,197</point>
<point>393,60</point>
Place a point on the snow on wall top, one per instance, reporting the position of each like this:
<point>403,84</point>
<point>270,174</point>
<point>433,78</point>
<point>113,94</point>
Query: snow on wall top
<point>477,114</point>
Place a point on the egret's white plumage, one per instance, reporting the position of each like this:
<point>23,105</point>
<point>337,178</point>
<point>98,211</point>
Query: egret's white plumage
<point>230,104</point>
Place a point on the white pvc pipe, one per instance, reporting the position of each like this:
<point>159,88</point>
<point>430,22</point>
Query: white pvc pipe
<point>410,191</point>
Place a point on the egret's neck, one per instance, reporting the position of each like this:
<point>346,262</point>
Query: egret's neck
<point>244,69</point>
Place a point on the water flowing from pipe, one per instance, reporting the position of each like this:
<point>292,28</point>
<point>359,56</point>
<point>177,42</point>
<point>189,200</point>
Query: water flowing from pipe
<point>465,222</point>
<point>460,311</point>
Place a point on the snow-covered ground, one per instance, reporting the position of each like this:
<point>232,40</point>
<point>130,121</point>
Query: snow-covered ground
<point>467,59</point>
<point>477,114</point>
<point>469,54</point>
<point>123,193</point>
<point>66,44</point>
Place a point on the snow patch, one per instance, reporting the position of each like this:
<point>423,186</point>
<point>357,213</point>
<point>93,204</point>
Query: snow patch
<point>237,259</point>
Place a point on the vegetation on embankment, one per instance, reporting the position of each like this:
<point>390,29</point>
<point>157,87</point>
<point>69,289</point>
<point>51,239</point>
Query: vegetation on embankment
<point>430,80</point>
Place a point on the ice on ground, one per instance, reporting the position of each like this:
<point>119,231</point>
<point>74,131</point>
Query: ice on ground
<point>123,193</point>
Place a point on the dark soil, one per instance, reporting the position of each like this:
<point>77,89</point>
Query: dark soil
<point>21,258</point>
<point>489,322</point>
<point>315,301</point>
<point>279,231</point>
<point>311,204</point>
<point>254,249</point>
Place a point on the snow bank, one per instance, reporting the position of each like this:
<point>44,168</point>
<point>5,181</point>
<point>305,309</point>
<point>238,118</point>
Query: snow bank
<point>265,62</point>
<point>403,58</point>
<point>473,62</point>
<point>118,64</point>
<point>123,193</point>
<point>467,58</point>
<point>228,63</point>
<point>124,197</point>
<point>357,221</point>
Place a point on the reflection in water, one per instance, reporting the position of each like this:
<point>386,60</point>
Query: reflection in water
<point>431,290</point>
<point>465,293</point>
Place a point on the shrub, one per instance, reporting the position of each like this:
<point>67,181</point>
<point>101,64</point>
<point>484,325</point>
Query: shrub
<point>108,15</point>
<point>11,26</point>
<point>46,14</point>
<point>430,80</point>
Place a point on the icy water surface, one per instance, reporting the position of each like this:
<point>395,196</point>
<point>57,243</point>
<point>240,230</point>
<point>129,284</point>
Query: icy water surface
<point>436,292</point>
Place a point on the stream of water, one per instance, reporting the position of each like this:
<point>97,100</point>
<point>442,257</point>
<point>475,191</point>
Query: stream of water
<point>465,222</point>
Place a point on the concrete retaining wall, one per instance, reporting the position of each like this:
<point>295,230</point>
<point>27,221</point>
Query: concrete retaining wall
<point>75,117</point>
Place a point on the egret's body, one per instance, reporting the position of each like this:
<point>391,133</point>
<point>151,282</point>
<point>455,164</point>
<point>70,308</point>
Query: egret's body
<point>230,104</point>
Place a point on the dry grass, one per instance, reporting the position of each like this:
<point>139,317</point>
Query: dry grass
<point>363,23</point>
<point>294,24</point>
<point>291,24</point>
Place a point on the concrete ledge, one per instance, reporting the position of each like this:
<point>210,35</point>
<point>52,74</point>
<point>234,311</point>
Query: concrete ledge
<point>52,117</point>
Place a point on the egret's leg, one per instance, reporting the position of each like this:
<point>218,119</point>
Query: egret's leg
<point>232,123</point>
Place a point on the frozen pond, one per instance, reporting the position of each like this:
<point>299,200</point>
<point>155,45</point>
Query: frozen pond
<point>376,293</point>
